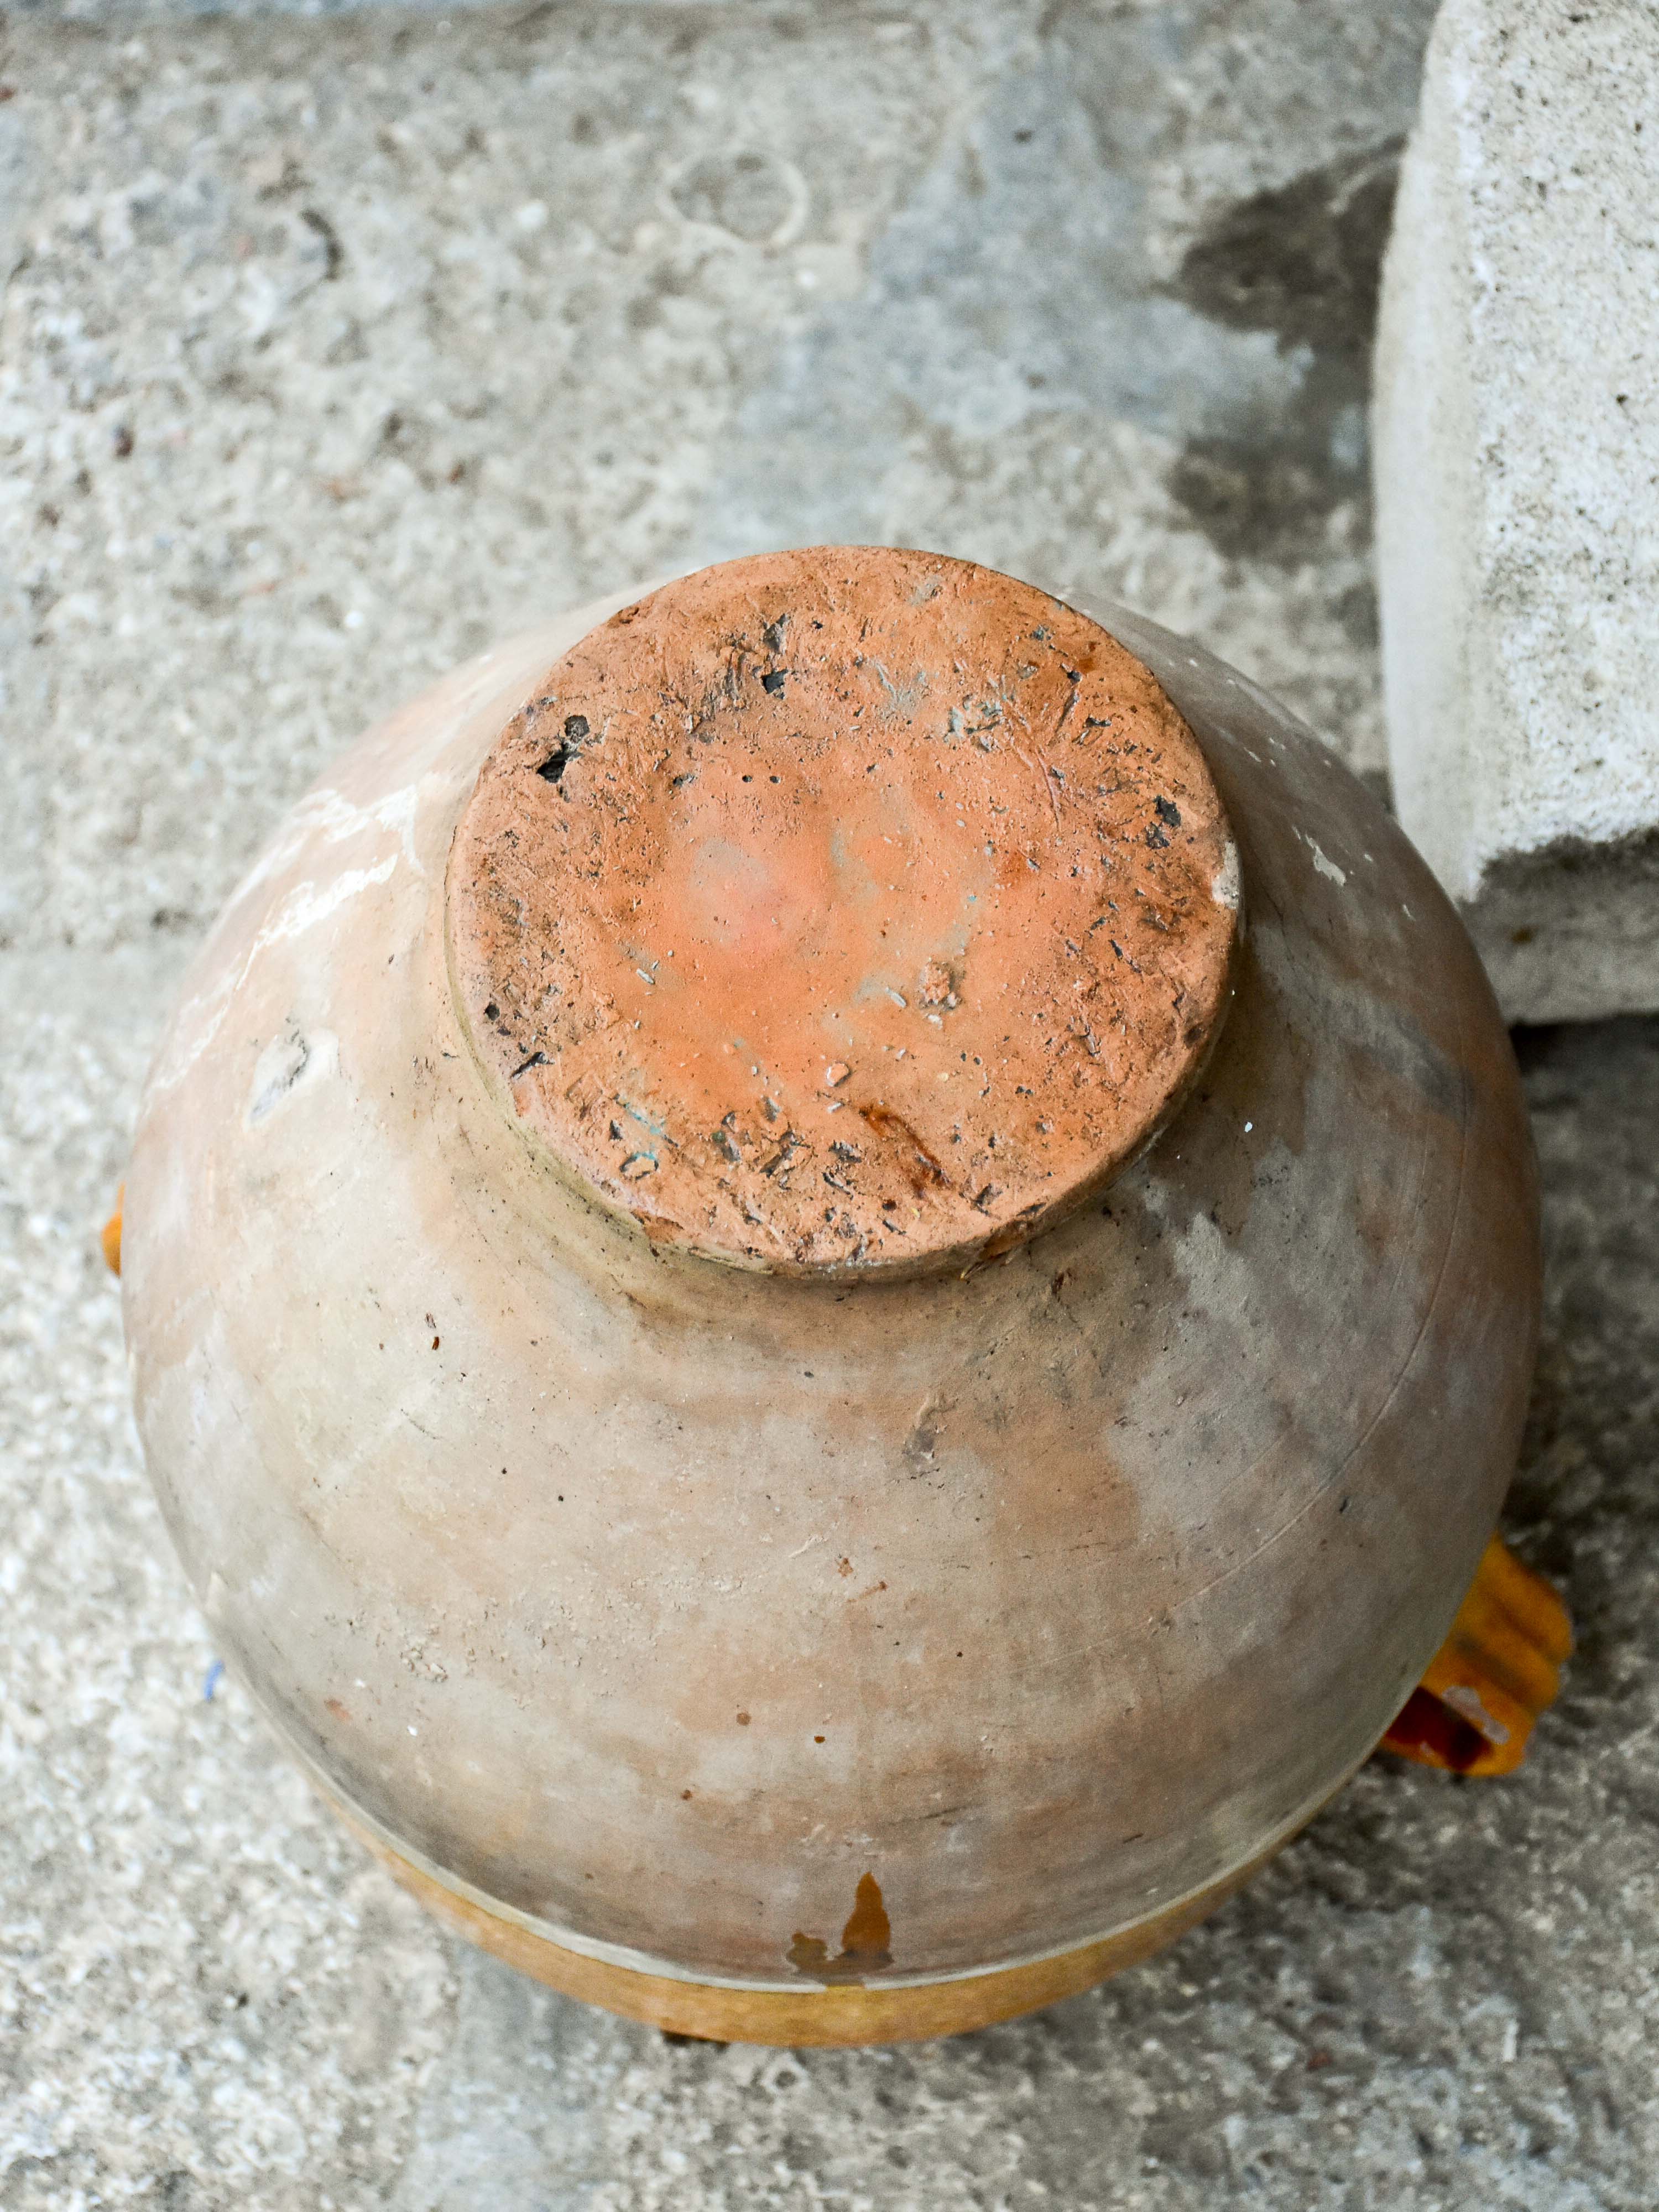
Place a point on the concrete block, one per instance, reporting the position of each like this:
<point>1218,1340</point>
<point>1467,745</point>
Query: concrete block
<point>1516,458</point>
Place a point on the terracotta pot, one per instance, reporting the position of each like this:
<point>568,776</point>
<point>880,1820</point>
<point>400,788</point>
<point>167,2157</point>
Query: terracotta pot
<point>830,1281</point>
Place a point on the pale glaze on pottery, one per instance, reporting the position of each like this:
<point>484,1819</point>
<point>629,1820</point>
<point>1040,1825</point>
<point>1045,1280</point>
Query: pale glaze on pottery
<point>658,1611</point>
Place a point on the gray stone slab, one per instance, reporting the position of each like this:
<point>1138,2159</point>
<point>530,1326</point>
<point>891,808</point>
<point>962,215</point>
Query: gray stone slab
<point>1517,477</point>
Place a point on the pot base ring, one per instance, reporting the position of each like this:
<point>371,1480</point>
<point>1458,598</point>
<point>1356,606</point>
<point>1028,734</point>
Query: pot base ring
<point>840,2015</point>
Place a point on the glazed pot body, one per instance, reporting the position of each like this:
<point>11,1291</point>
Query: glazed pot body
<point>650,1606</point>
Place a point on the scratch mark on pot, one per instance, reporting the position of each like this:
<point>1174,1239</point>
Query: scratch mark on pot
<point>1329,868</point>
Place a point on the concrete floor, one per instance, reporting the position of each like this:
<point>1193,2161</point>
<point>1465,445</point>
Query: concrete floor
<point>330,348</point>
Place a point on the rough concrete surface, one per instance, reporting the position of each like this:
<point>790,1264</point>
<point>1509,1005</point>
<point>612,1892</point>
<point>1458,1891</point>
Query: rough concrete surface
<point>566,341</point>
<point>1517,482</point>
<point>331,349</point>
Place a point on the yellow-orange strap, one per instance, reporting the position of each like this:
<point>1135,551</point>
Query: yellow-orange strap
<point>1496,1671</point>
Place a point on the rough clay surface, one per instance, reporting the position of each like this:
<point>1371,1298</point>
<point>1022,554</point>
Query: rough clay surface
<point>1444,1995</point>
<point>1517,477</point>
<point>961,831</point>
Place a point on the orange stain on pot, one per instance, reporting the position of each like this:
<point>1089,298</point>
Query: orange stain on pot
<point>843,911</point>
<point>866,1941</point>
